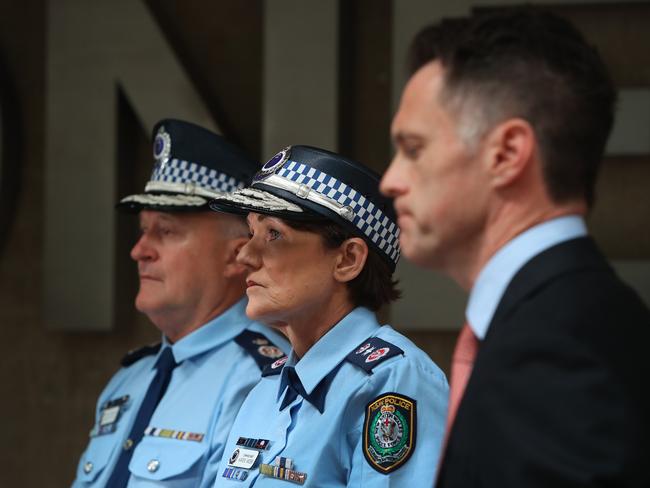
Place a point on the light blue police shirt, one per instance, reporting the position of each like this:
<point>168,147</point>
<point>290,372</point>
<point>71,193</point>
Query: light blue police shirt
<point>496,275</point>
<point>190,424</point>
<point>324,438</point>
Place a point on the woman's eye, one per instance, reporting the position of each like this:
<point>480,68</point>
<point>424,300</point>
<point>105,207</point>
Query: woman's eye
<point>274,234</point>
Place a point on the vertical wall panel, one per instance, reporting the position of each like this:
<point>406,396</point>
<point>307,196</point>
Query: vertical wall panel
<point>300,74</point>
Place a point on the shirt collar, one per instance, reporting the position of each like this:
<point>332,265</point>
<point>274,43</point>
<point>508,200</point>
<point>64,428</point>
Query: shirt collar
<point>330,350</point>
<point>214,333</point>
<point>495,276</point>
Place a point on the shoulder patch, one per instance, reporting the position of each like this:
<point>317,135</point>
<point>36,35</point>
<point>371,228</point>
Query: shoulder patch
<point>275,367</point>
<point>389,431</point>
<point>135,355</point>
<point>371,352</point>
<point>259,347</point>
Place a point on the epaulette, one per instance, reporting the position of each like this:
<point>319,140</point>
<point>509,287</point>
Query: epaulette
<point>263,351</point>
<point>275,367</point>
<point>372,352</point>
<point>136,354</point>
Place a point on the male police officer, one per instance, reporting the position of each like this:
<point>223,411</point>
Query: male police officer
<point>164,417</point>
<point>499,136</point>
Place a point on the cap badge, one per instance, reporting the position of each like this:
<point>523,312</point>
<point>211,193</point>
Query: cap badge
<point>274,164</point>
<point>162,146</point>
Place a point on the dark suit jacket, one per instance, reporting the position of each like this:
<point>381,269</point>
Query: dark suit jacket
<point>559,392</point>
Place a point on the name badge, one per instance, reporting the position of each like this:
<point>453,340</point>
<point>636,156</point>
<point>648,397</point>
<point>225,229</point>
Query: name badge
<point>243,458</point>
<point>109,415</point>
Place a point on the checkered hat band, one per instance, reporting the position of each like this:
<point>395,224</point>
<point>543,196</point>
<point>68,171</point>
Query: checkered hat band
<point>367,217</point>
<point>179,171</point>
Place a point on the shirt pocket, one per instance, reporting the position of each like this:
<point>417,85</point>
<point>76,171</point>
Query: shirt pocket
<point>158,458</point>
<point>95,458</point>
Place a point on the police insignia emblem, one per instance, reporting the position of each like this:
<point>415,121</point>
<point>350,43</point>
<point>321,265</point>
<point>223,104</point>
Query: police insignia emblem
<point>279,362</point>
<point>162,146</point>
<point>274,164</point>
<point>372,352</point>
<point>363,348</point>
<point>377,354</point>
<point>389,431</point>
<point>275,367</point>
<point>270,352</point>
<point>263,351</point>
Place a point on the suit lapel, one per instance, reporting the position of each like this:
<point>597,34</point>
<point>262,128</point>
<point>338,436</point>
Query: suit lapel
<point>566,257</point>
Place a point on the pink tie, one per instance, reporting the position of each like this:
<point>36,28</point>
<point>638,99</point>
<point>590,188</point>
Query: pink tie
<point>461,368</point>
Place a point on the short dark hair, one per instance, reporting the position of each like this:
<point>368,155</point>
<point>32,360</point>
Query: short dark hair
<point>529,63</point>
<point>374,286</point>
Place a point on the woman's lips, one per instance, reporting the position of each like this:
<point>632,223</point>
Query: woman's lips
<point>250,283</point>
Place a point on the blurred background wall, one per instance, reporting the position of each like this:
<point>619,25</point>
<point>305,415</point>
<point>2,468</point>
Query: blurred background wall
<point>266,74</point>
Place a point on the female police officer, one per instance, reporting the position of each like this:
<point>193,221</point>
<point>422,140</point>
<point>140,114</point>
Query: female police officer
<point>355,403</point>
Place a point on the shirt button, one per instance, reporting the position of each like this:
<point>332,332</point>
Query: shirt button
<point>88,467</point>
<point>153,465</point>
<point>128,444</point>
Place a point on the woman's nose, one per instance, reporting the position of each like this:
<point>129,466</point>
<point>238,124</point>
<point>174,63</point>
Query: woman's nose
<point>249,254</point>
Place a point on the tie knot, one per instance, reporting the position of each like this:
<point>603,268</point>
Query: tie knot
<point>166,361</point>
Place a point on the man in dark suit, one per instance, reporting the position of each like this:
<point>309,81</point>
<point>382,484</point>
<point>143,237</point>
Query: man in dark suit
<point>499,136</point>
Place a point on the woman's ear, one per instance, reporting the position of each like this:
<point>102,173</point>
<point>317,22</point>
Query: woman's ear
<point>352,257</point>
<point>233,267</point>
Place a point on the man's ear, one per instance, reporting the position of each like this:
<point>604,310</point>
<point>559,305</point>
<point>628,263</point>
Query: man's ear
<point>509,150</point>
<point>233,268</point>
<point>353,254</point>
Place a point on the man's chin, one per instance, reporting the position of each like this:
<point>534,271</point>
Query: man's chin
<point>408,247</point>
<point>147,305</point>
<point>417,254</point>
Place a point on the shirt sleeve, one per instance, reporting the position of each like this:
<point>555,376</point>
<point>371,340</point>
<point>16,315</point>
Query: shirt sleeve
<point>399,420</point>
